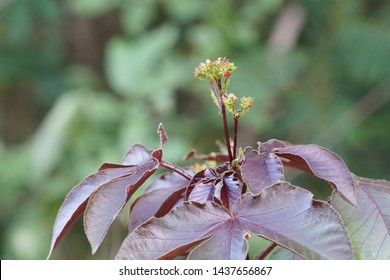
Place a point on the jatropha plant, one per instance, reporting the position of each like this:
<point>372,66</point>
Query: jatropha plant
<point>210,210</point>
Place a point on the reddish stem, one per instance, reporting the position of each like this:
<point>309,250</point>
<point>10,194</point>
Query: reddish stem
<point>225,125</point>
<point>235,137</point>
<point>176,169</point>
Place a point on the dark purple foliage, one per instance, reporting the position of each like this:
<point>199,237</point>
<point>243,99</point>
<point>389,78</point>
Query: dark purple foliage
<point>160,196</point>
<point>208,184</point>
<point>210,210</point>
<point>211,215</point>
<point>323,164</point>
<point>102,195</point>
<point>282,213</point>
<point>261,170</point>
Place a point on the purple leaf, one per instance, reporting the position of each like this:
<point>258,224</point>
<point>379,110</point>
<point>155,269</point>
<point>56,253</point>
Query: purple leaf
<point>76,200</point>
<point>261,170</point>
<point>281,213</point>
<point>158,199</point>
<point>228,243</point>
<point>270,146</point>
<point>368,224</point>
<point>203,191</point>
<point>228,190</point>
<point>137,154</point>
<point>288,216</point>
<point>109,199</point>
<point>170,236</point>
<point>201,186</point>
<point>323,164</point>
<point>208,184</point>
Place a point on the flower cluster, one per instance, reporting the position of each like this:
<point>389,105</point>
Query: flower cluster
<point>214,69</point>
<point>246,104</point>
<point>218,73</point>
<point>230,101</point>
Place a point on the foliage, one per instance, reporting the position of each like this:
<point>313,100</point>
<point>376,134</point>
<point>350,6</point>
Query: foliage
<point>211,214</point>
<point>80,79</point>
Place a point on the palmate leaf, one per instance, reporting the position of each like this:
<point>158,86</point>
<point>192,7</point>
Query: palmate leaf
<point>113,180</point>
<point>76,200</point>
<point>282,213</point>
<point>323,164</point>
<point>368,224</point>
<point>109,199</point>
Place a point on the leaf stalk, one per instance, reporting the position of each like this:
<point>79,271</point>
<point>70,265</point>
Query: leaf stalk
<point>176,169</point>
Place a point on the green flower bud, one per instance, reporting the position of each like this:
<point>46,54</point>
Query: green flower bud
<point>246,104</point>
<point>230,100</point>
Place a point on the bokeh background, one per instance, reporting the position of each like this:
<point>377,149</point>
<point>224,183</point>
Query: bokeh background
<point>83,80</point>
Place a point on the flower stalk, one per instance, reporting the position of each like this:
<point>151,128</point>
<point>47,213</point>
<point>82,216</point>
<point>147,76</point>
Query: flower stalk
<point>225,124</point>
<point>218,73</point>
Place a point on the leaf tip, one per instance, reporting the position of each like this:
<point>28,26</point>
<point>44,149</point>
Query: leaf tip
<point>162,134</point>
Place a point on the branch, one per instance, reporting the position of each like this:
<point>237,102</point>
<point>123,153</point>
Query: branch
<point>176,169</point>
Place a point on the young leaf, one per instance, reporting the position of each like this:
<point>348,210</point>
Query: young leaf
<point>162,134</point>
<point>323,164</point>
<point>281,213</point>
<point>368,224</point>
<point>109,199</point>
<point>261,170</point>
<point>158,199</point>
<point>201,187</point>
<point>208,184</point>
<point>203,191</point>
<point>229,190</point>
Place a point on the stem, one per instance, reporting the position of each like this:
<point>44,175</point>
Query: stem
<point>235,137</point>
<point>267,251</point>
<point>215,93</point>
<point>225,125</point>
<point>176,169</point>
<point>227,138</point>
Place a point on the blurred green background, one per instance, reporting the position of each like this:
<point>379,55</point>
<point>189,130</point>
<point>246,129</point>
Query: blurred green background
<point>83,80</point>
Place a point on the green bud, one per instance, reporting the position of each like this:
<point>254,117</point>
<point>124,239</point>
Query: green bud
<point>246,104</point>
<point>230,100</point>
